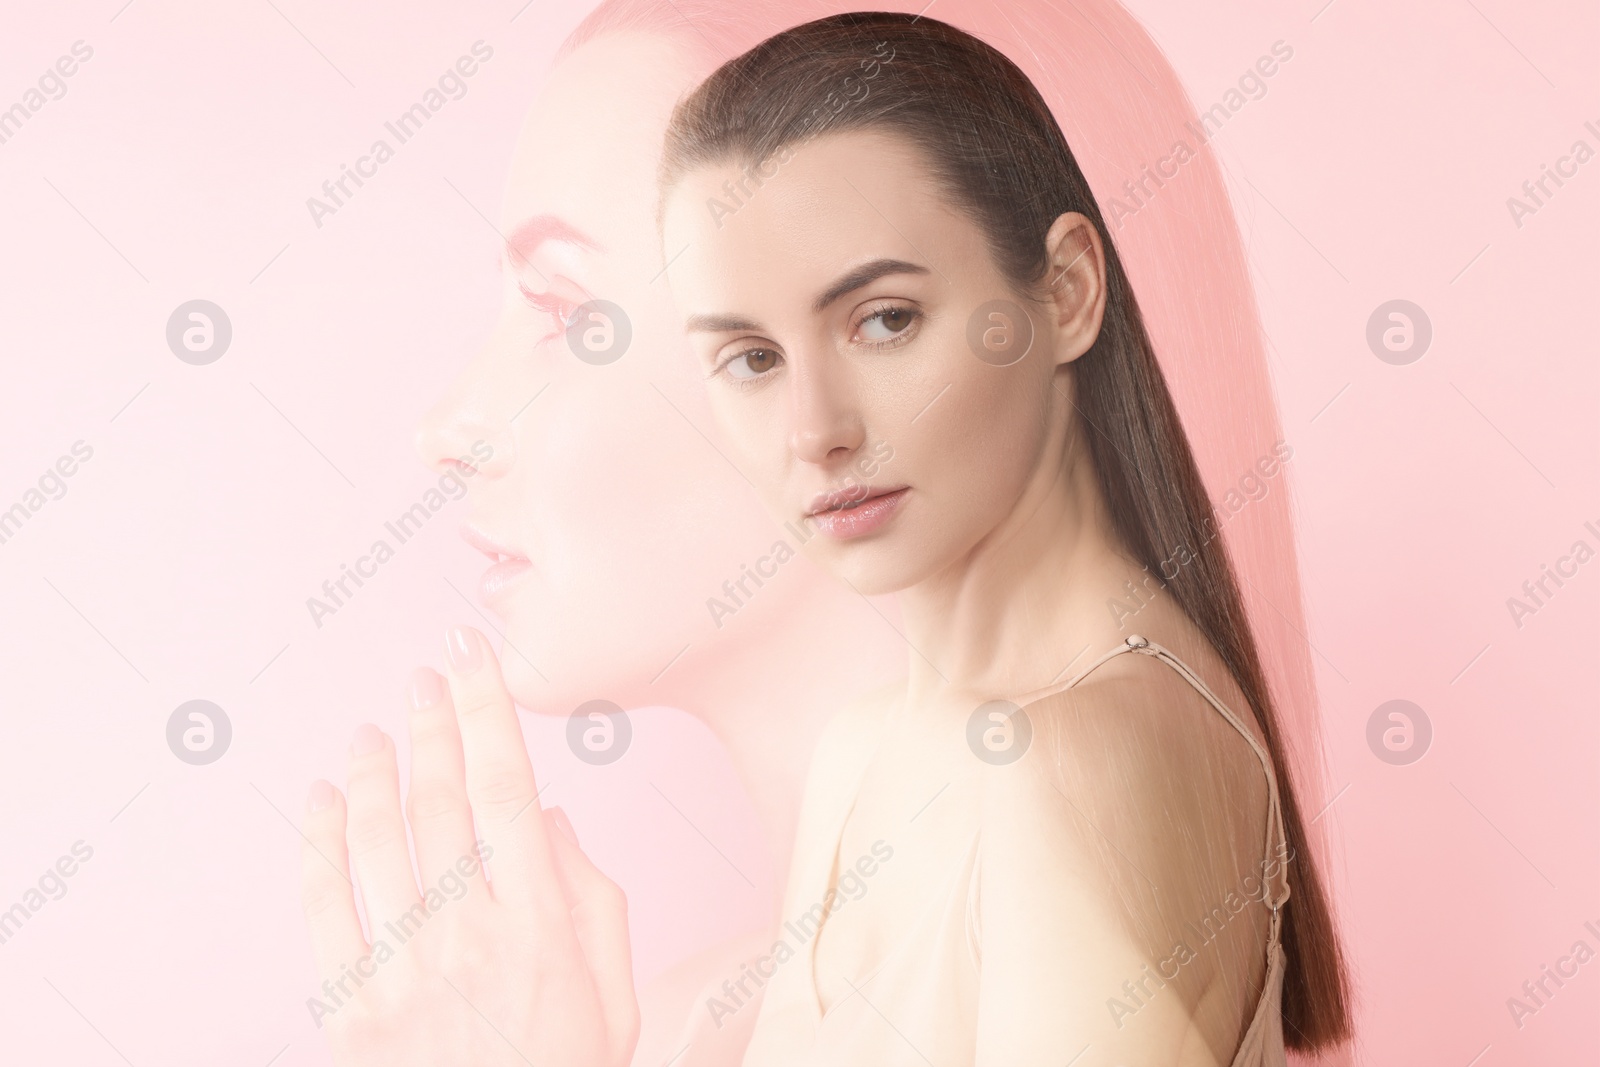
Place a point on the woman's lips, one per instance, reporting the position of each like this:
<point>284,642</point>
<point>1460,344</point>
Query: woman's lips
<point>509,564</point>
<point>499,576</point>
<point>844,515</point>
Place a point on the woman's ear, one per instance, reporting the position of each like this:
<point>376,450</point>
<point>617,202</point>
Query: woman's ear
<point>1075,284</point>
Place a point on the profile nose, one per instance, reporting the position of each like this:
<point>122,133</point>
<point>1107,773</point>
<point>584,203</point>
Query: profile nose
<point>468,426</point>
<point>824,416</point>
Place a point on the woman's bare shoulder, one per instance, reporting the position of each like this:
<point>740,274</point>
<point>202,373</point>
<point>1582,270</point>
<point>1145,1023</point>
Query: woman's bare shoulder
<point>1134,755</point>
<point>1134,818</point>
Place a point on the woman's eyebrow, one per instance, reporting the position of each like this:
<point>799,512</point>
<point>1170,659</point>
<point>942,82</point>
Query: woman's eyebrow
<point>849,283</point>
<point>864,275</point>
<point>538,229</point>
<point>721,324</point>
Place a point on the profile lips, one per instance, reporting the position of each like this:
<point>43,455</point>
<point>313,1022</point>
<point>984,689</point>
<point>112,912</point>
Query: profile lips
<point>506,564</point>
<point>496,551</point>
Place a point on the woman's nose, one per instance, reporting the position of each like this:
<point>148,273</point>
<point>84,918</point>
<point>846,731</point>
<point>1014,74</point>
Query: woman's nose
<point>825,418</point>
<point>470,425</point>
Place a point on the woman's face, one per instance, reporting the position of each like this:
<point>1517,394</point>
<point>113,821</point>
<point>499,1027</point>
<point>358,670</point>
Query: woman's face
<point>846,317</point>
<point>616,518</point>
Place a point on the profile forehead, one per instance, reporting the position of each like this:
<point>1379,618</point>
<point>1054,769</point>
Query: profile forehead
<point>646,68</point>
<point>595,129</point>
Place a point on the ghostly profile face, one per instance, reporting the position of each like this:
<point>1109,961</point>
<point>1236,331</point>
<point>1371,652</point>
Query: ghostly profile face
<point>834,313</point>
<point>611,516</point>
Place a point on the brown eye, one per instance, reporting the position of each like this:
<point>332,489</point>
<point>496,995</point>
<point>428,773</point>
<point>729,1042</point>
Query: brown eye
<point>751,364</point>
<point>886,324</point>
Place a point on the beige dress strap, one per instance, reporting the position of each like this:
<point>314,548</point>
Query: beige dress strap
<point>1262,1044</point>
<point>1275,850</point>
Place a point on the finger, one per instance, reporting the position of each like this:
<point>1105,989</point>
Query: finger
<point>500,782</point>
<point>600,921</point>
<point>378,849</point>
<point>436,803</point>
<point>326,894</point>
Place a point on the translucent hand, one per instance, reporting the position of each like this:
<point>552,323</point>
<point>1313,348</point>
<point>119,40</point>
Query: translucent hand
<point>528,964</point>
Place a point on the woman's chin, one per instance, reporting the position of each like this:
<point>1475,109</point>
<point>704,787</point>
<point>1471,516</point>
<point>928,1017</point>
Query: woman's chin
<point>880,569</point>
<point>553,669</point>
<point>527,680</point>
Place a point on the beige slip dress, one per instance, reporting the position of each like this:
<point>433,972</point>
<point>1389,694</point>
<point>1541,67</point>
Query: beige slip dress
<point>931,978</point>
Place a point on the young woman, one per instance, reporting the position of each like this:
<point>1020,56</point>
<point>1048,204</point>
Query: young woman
<point>535,967</point>
<point>882,245</point>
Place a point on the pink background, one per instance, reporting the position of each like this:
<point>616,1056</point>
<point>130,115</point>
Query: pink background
<point>177,165</point>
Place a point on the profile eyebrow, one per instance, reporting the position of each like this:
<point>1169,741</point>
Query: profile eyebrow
<point>535,231</point>
<point>865,274</point>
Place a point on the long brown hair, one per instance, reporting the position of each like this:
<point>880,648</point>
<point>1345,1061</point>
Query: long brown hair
<point>998,152</point>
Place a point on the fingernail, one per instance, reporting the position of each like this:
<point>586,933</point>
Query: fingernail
<point>320,798</point>
<point>461,648</point>
<point>425,689</point>
<point>563,824</point>
<point>368,739</point>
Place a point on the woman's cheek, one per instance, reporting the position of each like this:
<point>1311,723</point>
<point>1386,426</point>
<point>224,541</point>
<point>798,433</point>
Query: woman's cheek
<point>753,438</point>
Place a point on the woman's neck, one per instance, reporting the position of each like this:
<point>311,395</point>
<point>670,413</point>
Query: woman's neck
<point>1029,602</point>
